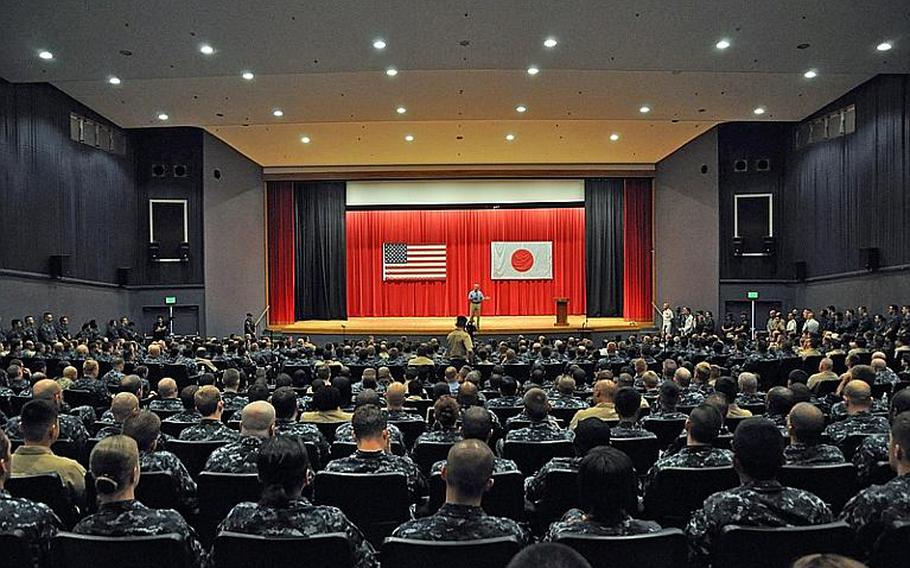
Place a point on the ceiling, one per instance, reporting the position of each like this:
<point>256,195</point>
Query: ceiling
<point>462,71</point>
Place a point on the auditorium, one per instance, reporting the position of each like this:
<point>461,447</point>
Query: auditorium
<point>455,283</point>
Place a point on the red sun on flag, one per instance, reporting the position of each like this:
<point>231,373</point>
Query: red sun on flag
<point>522,260</point>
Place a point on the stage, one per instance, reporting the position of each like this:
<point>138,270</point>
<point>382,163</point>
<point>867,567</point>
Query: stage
<point>499,325</point>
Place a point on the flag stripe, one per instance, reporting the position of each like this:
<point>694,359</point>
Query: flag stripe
<point>402,261</point>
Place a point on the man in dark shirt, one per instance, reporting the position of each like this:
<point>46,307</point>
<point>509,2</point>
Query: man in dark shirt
<point>761,500</point>
<point>257,423</point>
<point>508,386</point>
<point>665,407</point>
<point>874,448</point>
<point>806,423</point>
<point>167,397</point>
<point>71,427</point>
<point>284,399</point>
<point>860,420</point>
<point>628,405</point>
<point>89,382</point>
<point>188,400</point>
<point>565,394</point>
<point>145,428</point>
<point>537,408</point>
<point>468,474</point>
<point>210,428</point>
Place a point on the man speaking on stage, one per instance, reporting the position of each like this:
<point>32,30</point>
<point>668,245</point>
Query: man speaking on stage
<point>475,300</point>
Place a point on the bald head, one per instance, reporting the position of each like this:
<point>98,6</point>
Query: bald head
<point>879,364</point>
<point>604,391</point>
<point>825,365</point>
<point>395,395</point>
<point>124,405</point>
<point>468,470</point>
<point>70,372</point>
<point>858,395</point>
<point>806,423</point>
<point>167,388</point>
<point>46,389</point>
<point>682,377</point>
<point>257,419</point>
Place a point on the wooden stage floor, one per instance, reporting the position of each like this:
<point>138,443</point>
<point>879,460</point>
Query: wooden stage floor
<point>436,326</point>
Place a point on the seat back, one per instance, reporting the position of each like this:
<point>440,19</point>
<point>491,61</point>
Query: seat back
<point>778,547</point>
<point>642,451</point>
<point>193,454</point>
<point>76,397</point>
<point>157,490</point>
<point>17,551</point>
<point>420,405</point>
<point>46,488</point>
<point>810,363</point>
<point>561,495</point>
<point>530,456</point>
<point>834,484</point>
<point>880,474</point>
<point>504,499</point>
<point>427,453</point>
<point>483,553</point>
<point>179,373</point>
<point>664,501</point>
<point>165,414</point>
<point>69,550</point>
<point>503,413</point>
<point>327,428</point>
<point>174,429</point>
<point>666,430</point>
<point>410,429</point>
<point>662,549</point>
<point>344,449</point>
<point>235,550</point>
<point>891,547</point>
<point>350,491</point>
<point>218,493</point>
<point>564,415</point>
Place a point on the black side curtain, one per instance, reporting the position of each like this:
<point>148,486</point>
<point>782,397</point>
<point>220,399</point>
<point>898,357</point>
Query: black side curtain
<point>320,267</point>
<point>603,246</point>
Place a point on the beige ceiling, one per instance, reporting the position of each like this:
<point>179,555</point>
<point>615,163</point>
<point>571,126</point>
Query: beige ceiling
<point>462,71</point>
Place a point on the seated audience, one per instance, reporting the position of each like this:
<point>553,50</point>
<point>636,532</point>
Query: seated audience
<point>90,383</point>
<point>874,448</point>
<point>860,420</point>
<point>508,387</point>
<point>395,395</point>
<point>327,402</point>
<point>167,399</point>
<point>257,423</point>
<point>667,400</point>
<point>727,387</point>
<point>565,394</point>
<point>345,432</point>
<point>778,403</point>
<point>71,427</point>
<point>286,405</point>
<point>123,405</point>
<point>446,413</point>
<point>210,428</point>
<point>628,405</point>
<point>806,423</point>
<point>145,428</point>
<point>825,374</point>
<point>537,408</point>
<point>476,424</point>
<point>603,404</point>
<point>589,434</point>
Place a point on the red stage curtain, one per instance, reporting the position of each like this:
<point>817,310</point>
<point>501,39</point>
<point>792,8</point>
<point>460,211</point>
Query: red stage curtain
<point>280,219</point>
<point>637,250</point>
<point>467,234</point>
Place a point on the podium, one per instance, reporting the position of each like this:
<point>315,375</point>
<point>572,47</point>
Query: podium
<point>562,312</point>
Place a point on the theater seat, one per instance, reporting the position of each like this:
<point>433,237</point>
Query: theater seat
<point>642,451</point>
<point>891,547</point>
<point>427,453</point>
<point>49,489</point>
<point>668,505</point>
<point>236,550</point>
<point>754,547</point>
<point>69,550</point>
<point>157,490</point>
<point>561,495</point>
<point>16,550</point>
<point>666,430</point>
<point>193,454</point>
<point>376,503</point>
<point>174,429</point>
<point>834,484</point>
<point>504,499</point>
<point>218,493</point>
<point>483,553</point>
<point>662,549</point>
<point>410,430</point>
<point>530,456</point>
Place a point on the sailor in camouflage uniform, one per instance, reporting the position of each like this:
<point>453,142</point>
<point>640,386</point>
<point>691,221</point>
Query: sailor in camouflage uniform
<point>373,453</point>
<point>508,387</point>
<point>589,434</point>
<point>665,406</point>
<point>628,404</point>
<point>36,521</point>
<point>606,482</point>
<point>541,429</point>
<point>123,405</point>
<point>870,512</point>
<point>858,398</point>
<point>477,425</point>
<point>761,500</point>
<point>284,471</point>
<point>565,395</point>
<point>210,428</point>
<point>188,400</point>
<point>115,466</point>
<point>806,423</point>
<point>284,399</point>
<point>874,448</point>
<point>468,474</point>
<point>257,423</point>
<point>167,400</point>
<point>71,427</point>
<point>345,432</point>
<point>145,428</point>
<point>91,383</point>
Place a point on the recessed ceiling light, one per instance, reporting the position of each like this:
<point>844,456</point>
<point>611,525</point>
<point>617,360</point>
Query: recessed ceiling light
<point>248,75</point>
<point>46,55</point>
<point>521,108</point>
<point>644,109</point>
<point>401,110</point>
<point>722,44</point>
<point>810,74</point>
<point>408,138</point>
<point>884,46</point>
<point>614,137</point>
<point>391,71</point>
<point>305,139</point>
<point>114,80</point>
<point>379,44</point>
<point>533,70</point>
<point>759,110</point>
<point>278,113</point>
<point>163,116</point>
<point>510,137</point>
<point>206,49</point>
<point>550,42</point>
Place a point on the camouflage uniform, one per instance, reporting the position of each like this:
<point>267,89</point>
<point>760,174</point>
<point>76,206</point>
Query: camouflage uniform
<point>779,420</point>
<point>166,404</point>
<point>753,504</point>
<point>459,523</point>
<point>107,416</point>
<point>568,401</point>
<point>838,410</point>
<point>500,465</point>
<point>381,462</point>
<point>815,454</point>
<point>132,518</point>
<point>37,522</point>
<point>659,414</point>
<point>536,486</point>
<point>209,430</point>
<point>691,456</point>
<point>71,428</point>
<point>234,402</point>
<point>161,461</point>
<point>860,423</point>
<point>753,398</point>
<point>441,436</point>
<point>691,397</point>
<point>630,429</point>
<point>402,416</point>
<point>307,433</point>
<point>299,518</point>
<point>540,432</point>
<point>97,388</point>
<point>511,401</point>
<point>886,377</point>
<point>235,457</point>
<point>112,379</point>
<point>874,449</point>
<point>523,417</point>
<point>876,507</point>
<point>576,522</point>
<point>345,433</point>
<point>112,430</point>
<point>185,416</point>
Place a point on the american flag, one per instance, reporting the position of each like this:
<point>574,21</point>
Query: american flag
<point>402,261</point>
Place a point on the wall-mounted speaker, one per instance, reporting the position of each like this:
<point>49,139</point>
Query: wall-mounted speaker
<point>799,270</point>
<point>741,166</point>
<point>154,251</point>
<point>763,165</point>
<point>180,170</point>
<point>59,265</point>
<point>869,258</point>
<point>184,251</point>
<point>737,246</point>
<point>159,170</point>
<point>769,246</point>
<point>123,275</point>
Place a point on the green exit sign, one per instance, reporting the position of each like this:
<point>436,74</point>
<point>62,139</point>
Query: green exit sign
<point>752,295</point>
<point>170,300</point>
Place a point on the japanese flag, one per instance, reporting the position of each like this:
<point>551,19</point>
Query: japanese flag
<point>518,260</point>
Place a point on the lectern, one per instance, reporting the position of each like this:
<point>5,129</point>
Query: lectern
<point>562,311</point>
